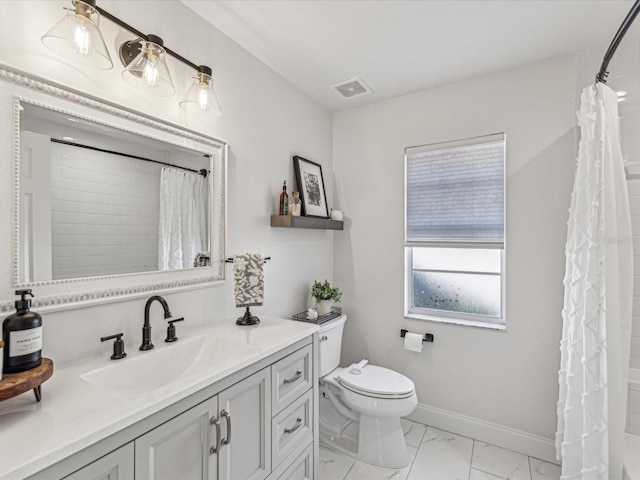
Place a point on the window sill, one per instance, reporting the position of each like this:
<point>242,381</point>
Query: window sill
<point>456,321</point>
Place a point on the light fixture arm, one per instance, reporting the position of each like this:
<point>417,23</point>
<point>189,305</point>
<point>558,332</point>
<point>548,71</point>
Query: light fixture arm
<point>141,35</point>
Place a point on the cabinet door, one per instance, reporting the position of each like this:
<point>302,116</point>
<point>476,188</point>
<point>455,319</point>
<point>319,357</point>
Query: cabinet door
<point>181,447</point>
<point>245,413</point>
<point>117,465</point>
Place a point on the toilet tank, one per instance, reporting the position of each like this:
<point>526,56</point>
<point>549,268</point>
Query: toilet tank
<point>330,335</point>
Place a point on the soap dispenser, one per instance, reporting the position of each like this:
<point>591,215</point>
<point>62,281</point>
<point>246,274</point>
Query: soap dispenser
<point>22,336</point>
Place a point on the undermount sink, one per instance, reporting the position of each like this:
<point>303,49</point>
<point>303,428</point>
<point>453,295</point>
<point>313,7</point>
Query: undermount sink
<point>160,367</point>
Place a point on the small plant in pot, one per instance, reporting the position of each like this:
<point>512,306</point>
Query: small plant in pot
<point>324,294</point>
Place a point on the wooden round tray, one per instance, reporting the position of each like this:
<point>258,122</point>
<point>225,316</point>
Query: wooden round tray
<point>13,384</point>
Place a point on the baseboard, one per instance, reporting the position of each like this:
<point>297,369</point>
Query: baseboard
<point>492,433</point>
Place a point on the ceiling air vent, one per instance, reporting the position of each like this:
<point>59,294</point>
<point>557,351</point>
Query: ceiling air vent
<point>351,88</point>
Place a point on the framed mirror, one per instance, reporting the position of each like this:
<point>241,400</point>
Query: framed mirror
<point>107,202</point>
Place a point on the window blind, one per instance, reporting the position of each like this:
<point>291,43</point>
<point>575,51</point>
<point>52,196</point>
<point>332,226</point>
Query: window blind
<point>455,192</point>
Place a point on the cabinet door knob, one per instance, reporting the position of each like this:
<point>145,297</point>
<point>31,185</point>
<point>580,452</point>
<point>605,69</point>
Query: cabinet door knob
<point>324,338</point>
<point>227,417</point>
<point>294,378</point>
<point>215,449</point>
<point>296,426</point>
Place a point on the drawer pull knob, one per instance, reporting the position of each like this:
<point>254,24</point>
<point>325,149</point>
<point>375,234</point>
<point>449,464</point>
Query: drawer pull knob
<point>227,417</point>
<point>297,425</point>
<point>294,378</point>
<point>216,448</point>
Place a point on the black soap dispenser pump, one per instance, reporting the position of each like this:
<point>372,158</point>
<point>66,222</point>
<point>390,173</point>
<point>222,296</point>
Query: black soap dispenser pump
<point>22,336</point>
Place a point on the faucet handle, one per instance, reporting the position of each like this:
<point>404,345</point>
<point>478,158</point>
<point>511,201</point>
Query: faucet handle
<point>171,330</point>
<point>118,346</point>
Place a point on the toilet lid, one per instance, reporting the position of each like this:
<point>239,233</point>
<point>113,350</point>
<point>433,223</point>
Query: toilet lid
<point>378,381</point>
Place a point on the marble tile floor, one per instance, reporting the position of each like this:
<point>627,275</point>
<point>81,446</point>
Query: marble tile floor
<point>440,455</point>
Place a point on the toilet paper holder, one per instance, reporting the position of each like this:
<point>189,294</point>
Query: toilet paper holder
<point>428,337</point>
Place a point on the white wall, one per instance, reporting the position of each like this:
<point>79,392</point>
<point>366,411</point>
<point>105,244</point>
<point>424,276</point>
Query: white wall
<point>507,378</point>
<point>265,120</point>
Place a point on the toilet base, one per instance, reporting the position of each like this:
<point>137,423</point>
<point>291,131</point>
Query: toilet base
<point>370,439</point>
<point>380,441</point>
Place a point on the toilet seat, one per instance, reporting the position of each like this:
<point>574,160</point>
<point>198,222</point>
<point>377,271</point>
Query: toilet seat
<point>377,382</point>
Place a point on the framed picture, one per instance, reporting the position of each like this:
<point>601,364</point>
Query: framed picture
<point>311,187</point>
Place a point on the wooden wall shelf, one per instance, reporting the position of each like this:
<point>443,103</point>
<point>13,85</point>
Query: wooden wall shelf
<point>289,221</point>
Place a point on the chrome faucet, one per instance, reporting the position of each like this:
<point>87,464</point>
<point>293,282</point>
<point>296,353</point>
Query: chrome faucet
<point>146,328</point>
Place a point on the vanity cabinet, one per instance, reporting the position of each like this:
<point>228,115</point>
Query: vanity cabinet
<point>258,424</point>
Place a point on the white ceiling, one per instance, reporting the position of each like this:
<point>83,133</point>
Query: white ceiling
<point>397,47</point>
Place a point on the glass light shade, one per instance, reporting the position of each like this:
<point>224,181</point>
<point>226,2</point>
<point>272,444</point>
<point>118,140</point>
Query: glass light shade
<point>77,36</point>
<point>149,70</point>
<point>201,96</point>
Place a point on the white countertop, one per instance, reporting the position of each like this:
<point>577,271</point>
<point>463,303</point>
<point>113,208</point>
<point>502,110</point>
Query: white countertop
<point>75,414</point>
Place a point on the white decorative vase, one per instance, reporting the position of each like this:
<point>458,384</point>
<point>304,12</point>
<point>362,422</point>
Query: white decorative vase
<point>323,307</point>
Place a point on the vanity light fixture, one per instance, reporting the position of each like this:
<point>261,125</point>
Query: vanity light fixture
<point>146,66</point>
<point>143,57</point>
<point>201,95</point>
<point>77,34</point>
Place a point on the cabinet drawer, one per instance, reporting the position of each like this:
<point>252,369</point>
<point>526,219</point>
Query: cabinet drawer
<point>292,427</point>
<point>290,378</point>
<point>301,468</point>
<point>117,465</point>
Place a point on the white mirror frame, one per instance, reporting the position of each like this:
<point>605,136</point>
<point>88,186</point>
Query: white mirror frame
<point>16,87</point>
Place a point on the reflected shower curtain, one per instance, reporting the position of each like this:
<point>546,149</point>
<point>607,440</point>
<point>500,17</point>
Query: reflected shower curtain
<point>598,280</point>
<point>183,218</point>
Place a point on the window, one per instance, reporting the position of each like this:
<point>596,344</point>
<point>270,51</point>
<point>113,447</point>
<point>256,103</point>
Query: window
<point>454,231</point>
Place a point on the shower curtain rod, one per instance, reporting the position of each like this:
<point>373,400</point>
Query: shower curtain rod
<point>603,73</point>
<point>202,171</point>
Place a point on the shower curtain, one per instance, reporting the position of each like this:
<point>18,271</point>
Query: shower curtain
<point>596,331</point>
<point>183,218</point>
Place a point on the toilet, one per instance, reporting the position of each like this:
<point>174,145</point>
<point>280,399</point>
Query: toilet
<point>361,405</point>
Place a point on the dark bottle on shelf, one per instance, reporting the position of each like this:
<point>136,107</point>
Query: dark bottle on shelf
<point>284,200</point>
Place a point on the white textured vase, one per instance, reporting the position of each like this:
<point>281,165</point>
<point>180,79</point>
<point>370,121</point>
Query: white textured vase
<point>323,307</point>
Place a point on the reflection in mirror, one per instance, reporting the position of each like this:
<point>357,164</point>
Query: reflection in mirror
<point>96,200</point>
